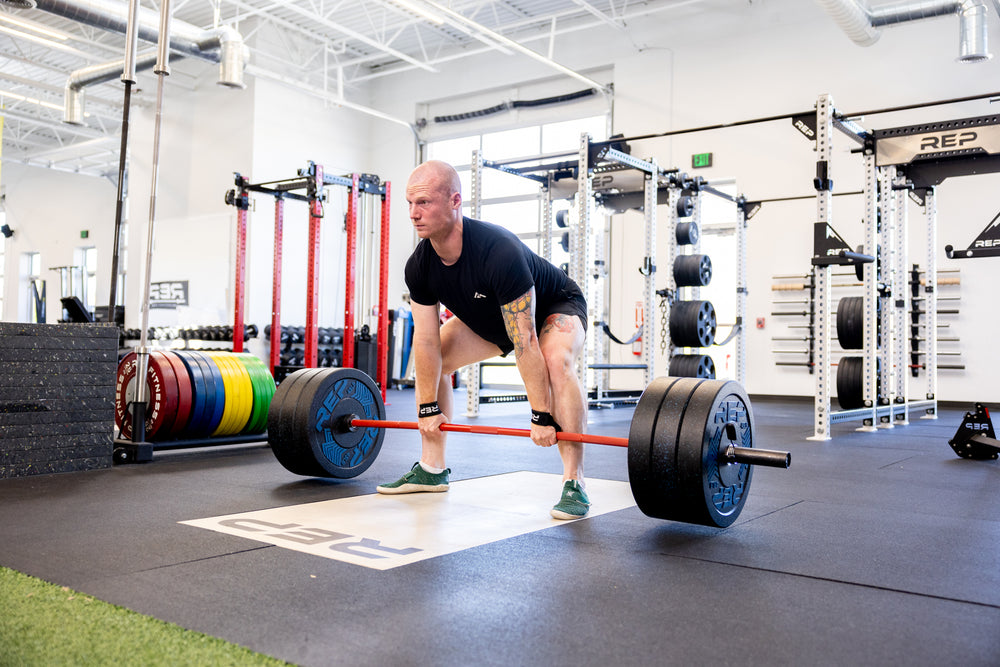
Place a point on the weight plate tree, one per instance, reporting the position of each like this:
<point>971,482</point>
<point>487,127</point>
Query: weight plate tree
<point>690,443</point>
<point>691,322</point>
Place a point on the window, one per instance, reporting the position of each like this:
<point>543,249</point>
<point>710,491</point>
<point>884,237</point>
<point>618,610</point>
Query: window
<point>3,247</point>
<point>88,263</point>
<point>510,200</point>
<point>519,209</point>
<point>33,288</point>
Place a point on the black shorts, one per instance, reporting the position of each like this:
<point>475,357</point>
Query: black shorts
<point>570,301</point>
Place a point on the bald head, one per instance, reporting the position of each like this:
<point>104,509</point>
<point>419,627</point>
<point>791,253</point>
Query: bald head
<point>435,198</point>
<point>438,176</point>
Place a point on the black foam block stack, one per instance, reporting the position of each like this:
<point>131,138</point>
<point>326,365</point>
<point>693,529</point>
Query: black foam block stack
<point>57,397</point>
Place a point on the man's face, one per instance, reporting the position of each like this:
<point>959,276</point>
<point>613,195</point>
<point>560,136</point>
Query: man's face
<point>432,209</point>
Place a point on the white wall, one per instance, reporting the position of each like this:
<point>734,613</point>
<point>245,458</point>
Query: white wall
<point>47,211</point>
<point>205,136</point>
<point>757,60</point>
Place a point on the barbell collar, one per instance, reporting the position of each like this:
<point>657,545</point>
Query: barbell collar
<point>344,423</point>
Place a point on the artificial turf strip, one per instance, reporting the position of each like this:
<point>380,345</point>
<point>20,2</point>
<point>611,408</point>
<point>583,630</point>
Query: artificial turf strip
<point>46,624</point>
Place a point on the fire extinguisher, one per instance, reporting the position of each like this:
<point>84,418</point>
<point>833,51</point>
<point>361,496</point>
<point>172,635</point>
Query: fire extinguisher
<point>637,345</point>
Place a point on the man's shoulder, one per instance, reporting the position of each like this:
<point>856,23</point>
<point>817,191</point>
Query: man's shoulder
<point>488,233</point>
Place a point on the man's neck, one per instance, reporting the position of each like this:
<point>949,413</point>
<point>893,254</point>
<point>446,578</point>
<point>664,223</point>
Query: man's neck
<point>449,248</point>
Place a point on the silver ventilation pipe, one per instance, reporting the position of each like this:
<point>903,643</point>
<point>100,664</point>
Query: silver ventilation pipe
<point>185,38</point>
<point>73,99</point>
<point>223,45</point>
<point>861,23</point>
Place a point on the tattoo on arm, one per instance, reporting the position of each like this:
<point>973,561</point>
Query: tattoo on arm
<point>517,314</point>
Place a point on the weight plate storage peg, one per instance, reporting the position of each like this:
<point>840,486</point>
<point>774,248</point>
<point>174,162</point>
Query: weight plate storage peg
<point>318,439</point>
<point>850,382</point>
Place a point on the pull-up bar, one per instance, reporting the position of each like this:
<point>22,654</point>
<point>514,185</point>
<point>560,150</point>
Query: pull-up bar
<point>789,116</point>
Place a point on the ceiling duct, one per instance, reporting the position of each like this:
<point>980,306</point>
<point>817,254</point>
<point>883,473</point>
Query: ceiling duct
<point>223,45</point>
<point>73,99</point>
<point>862,23</point>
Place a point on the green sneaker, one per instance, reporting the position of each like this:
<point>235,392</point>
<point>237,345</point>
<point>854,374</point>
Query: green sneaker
<point>574,503</point>
<point>417,480</point>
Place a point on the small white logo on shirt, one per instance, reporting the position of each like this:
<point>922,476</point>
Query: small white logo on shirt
<point>477,295</point>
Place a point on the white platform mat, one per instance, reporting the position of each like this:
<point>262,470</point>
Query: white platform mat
<point>383,532</point>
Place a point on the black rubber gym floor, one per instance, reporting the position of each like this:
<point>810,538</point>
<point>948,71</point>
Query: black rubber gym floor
<point>873,548</point>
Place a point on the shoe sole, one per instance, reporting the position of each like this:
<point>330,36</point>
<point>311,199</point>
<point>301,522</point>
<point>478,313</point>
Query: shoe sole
<point>566,516</point>
<point>411,488</point>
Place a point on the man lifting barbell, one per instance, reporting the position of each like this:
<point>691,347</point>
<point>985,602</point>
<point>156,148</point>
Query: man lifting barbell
<point>505,298</point>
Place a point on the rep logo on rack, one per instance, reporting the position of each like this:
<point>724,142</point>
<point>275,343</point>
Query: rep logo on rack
<point>948,141</point>
<point>903,145</point>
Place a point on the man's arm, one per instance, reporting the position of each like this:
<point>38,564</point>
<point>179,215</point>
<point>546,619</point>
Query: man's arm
<point>519,319</point>
<point>427,360</point>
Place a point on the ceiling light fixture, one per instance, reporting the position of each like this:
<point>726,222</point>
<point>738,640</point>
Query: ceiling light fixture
<point>33,26</point>
<point>47,42</point>
<point>30,100</point>
<point>419,11</point>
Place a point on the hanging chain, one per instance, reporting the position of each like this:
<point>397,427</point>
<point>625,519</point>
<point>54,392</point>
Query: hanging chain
<point>663,294</point>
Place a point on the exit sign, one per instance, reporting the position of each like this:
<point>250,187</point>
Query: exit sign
<point>699,160</point>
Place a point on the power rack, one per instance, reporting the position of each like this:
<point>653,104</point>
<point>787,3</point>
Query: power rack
<point>604,174</point>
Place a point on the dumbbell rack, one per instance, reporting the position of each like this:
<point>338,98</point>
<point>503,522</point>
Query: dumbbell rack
<point>205,333</point>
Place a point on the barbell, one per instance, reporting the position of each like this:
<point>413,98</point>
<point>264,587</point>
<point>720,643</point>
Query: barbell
<point>690,442</point>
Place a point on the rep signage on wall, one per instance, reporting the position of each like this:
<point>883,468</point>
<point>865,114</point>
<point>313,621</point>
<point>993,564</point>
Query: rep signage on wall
<point>168,294</point>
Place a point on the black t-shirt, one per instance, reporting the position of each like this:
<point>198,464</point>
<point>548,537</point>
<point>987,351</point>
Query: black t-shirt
<point>495,268</point>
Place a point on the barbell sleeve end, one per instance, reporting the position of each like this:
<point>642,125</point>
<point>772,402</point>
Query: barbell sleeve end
<point>761,457</point>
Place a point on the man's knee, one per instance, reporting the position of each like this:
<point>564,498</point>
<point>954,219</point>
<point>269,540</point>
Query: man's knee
<point>560,363</point>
